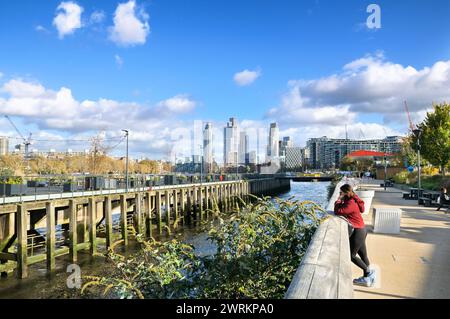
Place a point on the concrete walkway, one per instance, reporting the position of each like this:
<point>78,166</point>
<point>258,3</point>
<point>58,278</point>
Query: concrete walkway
<point>414,263</point>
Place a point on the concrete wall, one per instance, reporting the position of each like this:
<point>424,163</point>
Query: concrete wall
<point>325,271</point>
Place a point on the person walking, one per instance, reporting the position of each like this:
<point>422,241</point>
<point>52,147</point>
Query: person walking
<point>350,206</point>
<point>443,198</point>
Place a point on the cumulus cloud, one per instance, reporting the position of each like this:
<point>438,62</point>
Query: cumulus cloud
<point>68,18</point>
<point>246,77</point>
<point>297,110</point>
<point>97,17</point>
<point>61,111</point>
<point>374,85</point>
<point>177,104</point>
<point>58,111</point>
<point>130,25</point>
<point>369,85</point>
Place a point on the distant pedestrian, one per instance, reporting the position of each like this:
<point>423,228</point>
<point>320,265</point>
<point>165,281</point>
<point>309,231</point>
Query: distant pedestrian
<point>350,206</point>
<point>443,198</point>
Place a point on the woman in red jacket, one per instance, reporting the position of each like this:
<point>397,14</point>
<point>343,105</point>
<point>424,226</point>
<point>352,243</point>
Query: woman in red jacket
<point>350,206</point>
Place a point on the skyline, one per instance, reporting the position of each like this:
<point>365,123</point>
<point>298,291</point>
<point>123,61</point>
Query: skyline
<point>155,67</point>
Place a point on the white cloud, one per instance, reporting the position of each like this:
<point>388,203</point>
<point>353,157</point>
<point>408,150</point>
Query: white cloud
<point>370,85</point>
<point>177,104</point>
<point>40,28</point>
<point>60,110</point>
<point>119,60</point>
<point>246,77</point>
<point>130,25</point>
<point>68,18</point>
<point>296,110</point>
<point>97,17</point>
<point>374,85</point>
<point>18,88</point>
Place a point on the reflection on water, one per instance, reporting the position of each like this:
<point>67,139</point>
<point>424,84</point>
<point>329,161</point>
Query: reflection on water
<point>307,191</point>
<point>40,285</point>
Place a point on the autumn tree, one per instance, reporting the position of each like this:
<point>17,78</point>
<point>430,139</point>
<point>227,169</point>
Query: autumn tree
<point>435,137</point>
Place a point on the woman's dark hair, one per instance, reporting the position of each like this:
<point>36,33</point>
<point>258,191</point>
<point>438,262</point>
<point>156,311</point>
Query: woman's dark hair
<point>347,190</point>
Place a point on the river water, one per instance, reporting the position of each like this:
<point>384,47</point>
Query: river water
<point>41,285</point>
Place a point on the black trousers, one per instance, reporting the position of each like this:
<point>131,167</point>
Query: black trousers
<point>358,248</point>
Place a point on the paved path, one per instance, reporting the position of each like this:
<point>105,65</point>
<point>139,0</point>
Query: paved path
<point>414,263</point>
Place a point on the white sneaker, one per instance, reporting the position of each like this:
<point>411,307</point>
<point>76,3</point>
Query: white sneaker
<point>364,281</point>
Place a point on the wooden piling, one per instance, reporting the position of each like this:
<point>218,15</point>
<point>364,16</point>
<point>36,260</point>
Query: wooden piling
<point>107,210</point>
<point>138,211</point>
<point>123,219</point>
<point>183,204</point>
<point>158,212</point>
<point>22,252</point>
<point>148,216</point>
<point>50,236</point>
<point>167,199</point>
<point>207,196</point>
<point>200,202</point>
<point>175,204</point>
<point>92,225</point>
<point>73,235</point>
<point>195,202</point>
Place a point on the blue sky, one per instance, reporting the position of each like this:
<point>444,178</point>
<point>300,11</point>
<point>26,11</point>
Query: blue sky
<point>194,49</point>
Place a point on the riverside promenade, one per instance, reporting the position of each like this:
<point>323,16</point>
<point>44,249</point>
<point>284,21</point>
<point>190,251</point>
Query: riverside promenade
<point>414,263</point>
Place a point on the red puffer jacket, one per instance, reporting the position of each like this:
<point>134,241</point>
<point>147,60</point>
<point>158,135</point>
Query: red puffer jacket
<point>351,208</point>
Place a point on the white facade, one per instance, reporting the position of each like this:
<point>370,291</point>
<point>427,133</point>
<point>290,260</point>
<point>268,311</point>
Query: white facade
<point>273,149</point>
<point>4,146</point>
<point>252,158</point>
<point>243,148</point>
<point>231,143</point>
<point>208,150</point>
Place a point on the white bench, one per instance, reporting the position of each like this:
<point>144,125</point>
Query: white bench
<point>386,220</point>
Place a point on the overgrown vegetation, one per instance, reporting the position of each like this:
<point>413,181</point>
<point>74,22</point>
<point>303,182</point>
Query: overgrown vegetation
<point>431,182</point>
<point>333,184</point>
<point>259,248</point>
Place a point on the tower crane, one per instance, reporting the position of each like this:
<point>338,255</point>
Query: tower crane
<point>411,124</point>
<point>26,142</point>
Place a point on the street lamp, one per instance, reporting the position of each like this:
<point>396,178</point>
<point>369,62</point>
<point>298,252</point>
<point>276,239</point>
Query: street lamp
<point>418,132</point>
<point>126,163</point>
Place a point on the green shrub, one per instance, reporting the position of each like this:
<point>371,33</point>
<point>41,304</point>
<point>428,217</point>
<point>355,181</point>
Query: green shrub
<point>259,248</point>
<point>401,178</point>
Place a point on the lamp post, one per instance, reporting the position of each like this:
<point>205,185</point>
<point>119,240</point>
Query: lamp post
<point>385,171</point>
<point>418,132</point>
<point>126,163</point>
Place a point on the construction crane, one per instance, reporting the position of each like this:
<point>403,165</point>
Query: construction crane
<point>411,124</point>
<point>26,142</point>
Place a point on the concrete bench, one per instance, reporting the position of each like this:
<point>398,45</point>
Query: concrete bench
<point>386,220</point>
